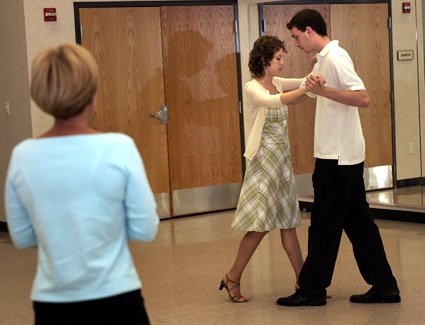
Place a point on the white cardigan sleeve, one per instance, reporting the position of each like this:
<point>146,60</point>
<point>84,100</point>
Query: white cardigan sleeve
<point>258,96</point>
<point>286,84</point>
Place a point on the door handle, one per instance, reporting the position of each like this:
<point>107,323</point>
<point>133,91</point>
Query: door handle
<point>162,114</point>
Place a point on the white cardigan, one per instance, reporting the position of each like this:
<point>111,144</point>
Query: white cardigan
<point>258,100</point>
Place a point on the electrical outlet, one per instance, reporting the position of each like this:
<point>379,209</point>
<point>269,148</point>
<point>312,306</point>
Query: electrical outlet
<point>7,108</point>
<point>411,150</point>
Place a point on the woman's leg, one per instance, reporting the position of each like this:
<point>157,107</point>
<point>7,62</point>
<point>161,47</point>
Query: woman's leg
<point>292,248</point>
<point>247,247</point>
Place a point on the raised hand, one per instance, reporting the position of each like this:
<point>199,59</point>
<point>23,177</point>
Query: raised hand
<point>315,83</point>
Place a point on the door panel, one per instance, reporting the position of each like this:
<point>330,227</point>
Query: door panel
<point>362,30</point>
<point>297,64</point>
<point>126,43</point>
<point>202,97</point>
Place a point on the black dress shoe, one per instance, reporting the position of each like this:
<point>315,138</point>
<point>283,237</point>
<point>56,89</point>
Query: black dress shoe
<point>374,296</point>
<point>300,298</point>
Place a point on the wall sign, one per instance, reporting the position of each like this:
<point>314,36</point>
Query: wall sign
<point>405,55</point>
<point>406,7</point>
<point>49,14</point>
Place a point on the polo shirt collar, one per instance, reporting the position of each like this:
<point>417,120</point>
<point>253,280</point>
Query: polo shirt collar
<point>328,47</point>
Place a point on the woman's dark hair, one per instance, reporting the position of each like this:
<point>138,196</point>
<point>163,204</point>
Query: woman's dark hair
<point>262,53</point>
<point>308,17</point>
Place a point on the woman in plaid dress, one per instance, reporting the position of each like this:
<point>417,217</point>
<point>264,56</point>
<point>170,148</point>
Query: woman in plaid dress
<point>268,199</point>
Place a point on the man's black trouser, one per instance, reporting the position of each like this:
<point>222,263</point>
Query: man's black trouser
<point>340,204</point>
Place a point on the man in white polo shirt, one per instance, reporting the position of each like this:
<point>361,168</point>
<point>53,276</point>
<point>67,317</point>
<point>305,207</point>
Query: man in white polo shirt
<point>339,193</point>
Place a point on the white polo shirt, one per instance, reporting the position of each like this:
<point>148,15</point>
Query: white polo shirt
<point>338,131</point>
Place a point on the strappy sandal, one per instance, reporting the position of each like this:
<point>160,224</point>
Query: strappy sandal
<point>235,285</point>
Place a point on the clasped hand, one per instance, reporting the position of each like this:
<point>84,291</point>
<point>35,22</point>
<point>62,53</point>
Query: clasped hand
<point>315,84</point>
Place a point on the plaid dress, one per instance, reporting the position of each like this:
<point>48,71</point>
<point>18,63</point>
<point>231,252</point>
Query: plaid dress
<point>268,198</point>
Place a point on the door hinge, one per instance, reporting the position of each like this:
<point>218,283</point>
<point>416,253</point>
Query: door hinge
<point>240,107</point>
<point>389,23</point>
<point>236,27</point>
<point>263,27</point>
<point>81,32</point>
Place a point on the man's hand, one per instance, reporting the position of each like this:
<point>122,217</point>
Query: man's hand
<point>315,84</point>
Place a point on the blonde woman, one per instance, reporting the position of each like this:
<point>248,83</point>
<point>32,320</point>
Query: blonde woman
<point>79,196</point>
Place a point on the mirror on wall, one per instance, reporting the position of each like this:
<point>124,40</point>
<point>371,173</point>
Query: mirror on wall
<point>408,193</point>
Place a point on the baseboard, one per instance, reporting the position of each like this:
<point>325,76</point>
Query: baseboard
<point>411,182</point>
<point>398,215</point>
<point>3,226</point>
<point>305,205</point>
<point>405,214</point>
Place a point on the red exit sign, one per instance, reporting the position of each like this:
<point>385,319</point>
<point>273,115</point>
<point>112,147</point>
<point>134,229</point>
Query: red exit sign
<point>49,14</point>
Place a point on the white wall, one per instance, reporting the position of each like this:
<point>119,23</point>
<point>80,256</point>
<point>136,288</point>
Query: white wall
<point>408,89</point>
<point>14,87</point>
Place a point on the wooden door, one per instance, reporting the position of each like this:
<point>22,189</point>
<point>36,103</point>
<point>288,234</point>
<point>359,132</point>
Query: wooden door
<point>126,43</point>
<point>185,58</point>
<point>362,30</point>
<point>201,87</point>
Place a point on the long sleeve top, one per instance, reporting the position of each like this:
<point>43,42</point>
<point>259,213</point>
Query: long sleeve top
<point>258,100</point>
<point>79,199</point>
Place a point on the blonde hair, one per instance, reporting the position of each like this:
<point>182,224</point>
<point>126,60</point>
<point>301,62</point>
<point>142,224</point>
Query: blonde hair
<point>64,80</point>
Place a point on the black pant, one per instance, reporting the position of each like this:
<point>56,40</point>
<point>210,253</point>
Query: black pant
<point>340,204</point>
<point>126,309</point>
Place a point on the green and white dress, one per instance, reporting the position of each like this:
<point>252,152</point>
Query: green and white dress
<point>268,198</point>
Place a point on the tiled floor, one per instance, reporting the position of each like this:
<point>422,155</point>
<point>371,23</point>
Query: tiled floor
<point>182,268</point>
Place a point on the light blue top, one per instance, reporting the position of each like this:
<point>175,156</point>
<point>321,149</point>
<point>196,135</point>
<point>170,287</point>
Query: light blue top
<point>80,199</point>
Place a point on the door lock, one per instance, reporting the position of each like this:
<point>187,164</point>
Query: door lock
<point>162,114</point>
